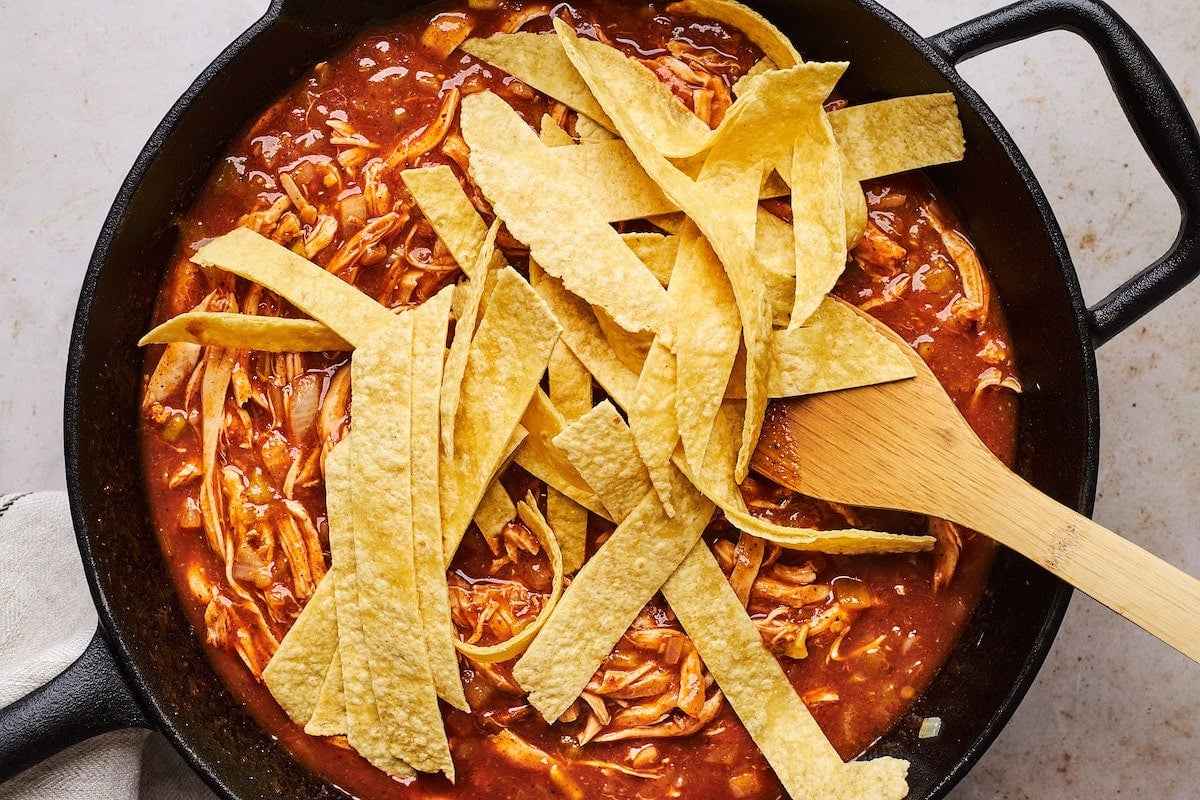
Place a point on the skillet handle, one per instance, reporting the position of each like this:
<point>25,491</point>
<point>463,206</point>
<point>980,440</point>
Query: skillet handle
<point>88,698</point>
<point>1155,111</point>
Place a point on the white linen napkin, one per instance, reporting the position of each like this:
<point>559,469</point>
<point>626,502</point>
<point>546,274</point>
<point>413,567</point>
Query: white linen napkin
<point>46,620</point>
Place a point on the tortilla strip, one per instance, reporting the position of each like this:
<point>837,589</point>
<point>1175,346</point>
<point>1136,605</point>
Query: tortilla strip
<point>761,695</point>
<point>516,644</point>
<point>540,62</point>
<point>606,595</point>
<point>450,212</point>
<point>389,600</point>
<point>351,314</point>
<point>583,335</point>
<point>247,331</point>
<point>657,251</point>
<point>836,349</point>
<point>329,715</point>
<point>507,358</point>
<point>551,134</point>
<point>652,420</point>
<point>495,510</point>
<point>706,342</point>
<point>364,730</point>
<point>296,672</point>
<point>571,395</point>
<point>600,445</point>
<point>538,455</point>
<point>464,330</point>
<point>536,202</point>
<point>430,322</point>
<point>899,134</point>
<point>818,215</point>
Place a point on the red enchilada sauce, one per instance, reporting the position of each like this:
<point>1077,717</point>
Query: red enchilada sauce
<point>858,636</point>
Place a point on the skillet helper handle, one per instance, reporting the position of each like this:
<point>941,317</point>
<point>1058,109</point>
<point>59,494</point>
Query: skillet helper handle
<point>1155,111</point>
<point>86,699</point>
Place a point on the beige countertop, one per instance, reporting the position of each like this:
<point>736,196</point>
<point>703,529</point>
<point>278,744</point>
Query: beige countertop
<point>1113,712</point>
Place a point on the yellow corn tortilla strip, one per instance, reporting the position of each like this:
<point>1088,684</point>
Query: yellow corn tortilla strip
<point>836,349</point>
<point>818,216</point>
<point>610,180</point>
<point>631,348</point>
<point>351,314</point>
<point>706,342</point>
<point>571,395</point>
<point>248,331</point>
<point>606,595</point>
<point>539,61</point>
<point>495,510</point>
<point>775,46</point>
<point>539,456</point>
<point>506,361</point>
<point>602,448</point>
<point>716,482</point>
<point>329,715</point>
<point>389,599</point>
<point>296,672</point>
<point>464,330</point>
<point>583,335</point>
<point>761,695</point>
<point>652,420</point>
<point>364,729</point>
<point>537,203</point>
<point>589,131</point>
<point>516,644</point>
<point>656,250</point>
<point>454,218</point>
<point>430,322</point>
<point>551,134</point>
<point>899,134</point>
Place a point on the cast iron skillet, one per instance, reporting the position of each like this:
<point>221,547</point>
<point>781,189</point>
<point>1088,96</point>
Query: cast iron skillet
<point>145,666</point>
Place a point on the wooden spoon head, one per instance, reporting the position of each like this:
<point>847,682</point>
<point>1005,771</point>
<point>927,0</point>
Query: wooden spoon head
<point>893,445</point>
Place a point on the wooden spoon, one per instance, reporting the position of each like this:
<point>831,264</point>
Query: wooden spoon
<point>904,445</point>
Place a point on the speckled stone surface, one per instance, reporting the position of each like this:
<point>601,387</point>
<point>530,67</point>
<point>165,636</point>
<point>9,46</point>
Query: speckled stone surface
<point>1112,714</point>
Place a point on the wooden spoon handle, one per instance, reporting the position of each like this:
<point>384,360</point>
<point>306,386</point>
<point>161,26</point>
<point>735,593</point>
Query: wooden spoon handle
<point>1160,598</point>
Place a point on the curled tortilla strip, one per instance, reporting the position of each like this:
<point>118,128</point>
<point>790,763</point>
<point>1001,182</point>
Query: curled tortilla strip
<point>758,28</point>
<point>247,331</point>
<point>512,647</point>
<point>351,314</point>
<point>716,482</point>
<point>761,695</point>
